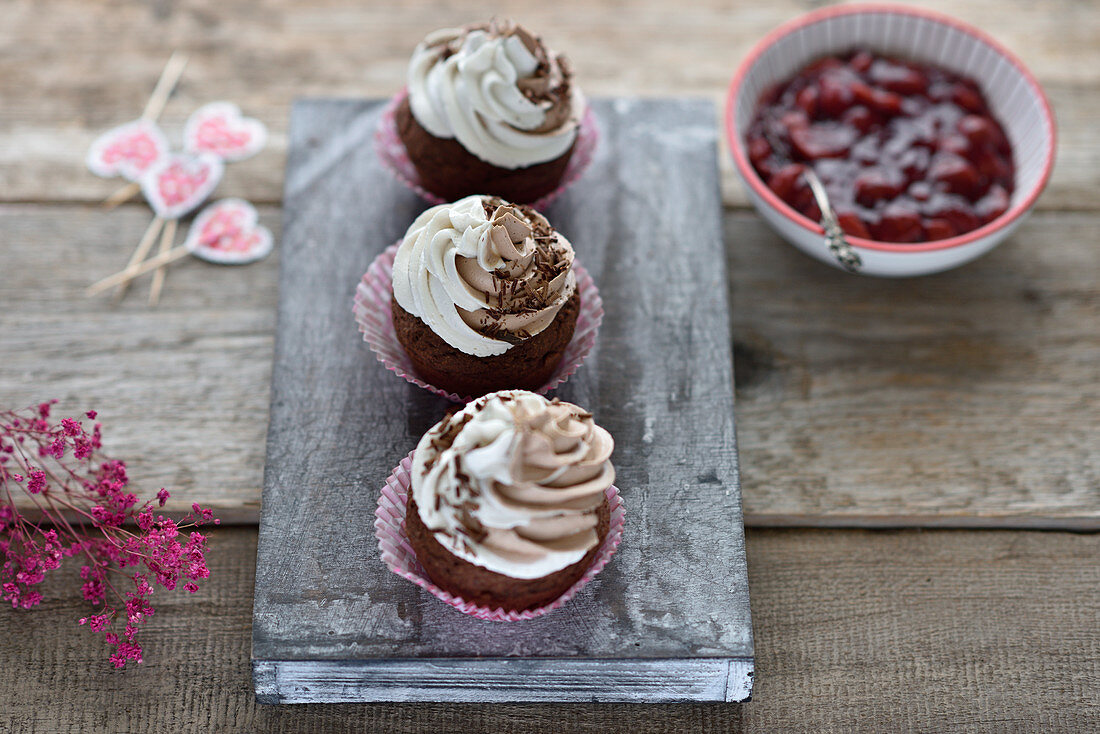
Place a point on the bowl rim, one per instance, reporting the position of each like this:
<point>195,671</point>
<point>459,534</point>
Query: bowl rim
<point>750,176</point>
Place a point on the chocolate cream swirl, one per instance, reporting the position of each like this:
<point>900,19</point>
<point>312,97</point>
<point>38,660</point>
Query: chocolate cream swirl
<point>498,90</point>
<point>483,274</point>
<point>513,483</point>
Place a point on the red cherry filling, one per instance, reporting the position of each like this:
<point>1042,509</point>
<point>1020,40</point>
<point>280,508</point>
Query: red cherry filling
<point>955,174</point>
<point>823,140</point>
<point>879,184</point>
<point>900,222</point>
<point>907,152</point>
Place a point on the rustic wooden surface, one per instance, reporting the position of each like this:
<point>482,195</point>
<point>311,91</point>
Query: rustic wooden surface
<point>182,389</point>
<point>966,398</point>
<point>264,58</point>
<point>969,398</point>
<point>883,631</point>
<point>668,619</point>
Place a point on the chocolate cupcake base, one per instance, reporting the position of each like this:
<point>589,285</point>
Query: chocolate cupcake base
<point>488,588</point>
<point>527,365</point>
<point>451,172</point>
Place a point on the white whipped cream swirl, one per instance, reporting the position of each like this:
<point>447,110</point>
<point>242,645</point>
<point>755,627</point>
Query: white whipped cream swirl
<point>473,276</point>
<point>513,483</point>
<point>466,83</point>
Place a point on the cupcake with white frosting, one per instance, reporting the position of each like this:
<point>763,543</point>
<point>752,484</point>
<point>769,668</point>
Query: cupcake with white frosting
<point>508,503</point>
<point>485,296</point>
<point>489,108</point>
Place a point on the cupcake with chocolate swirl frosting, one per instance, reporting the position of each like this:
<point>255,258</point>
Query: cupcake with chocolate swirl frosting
<point>507,506</point>
<point>489,108</point>
<point>484,296</point>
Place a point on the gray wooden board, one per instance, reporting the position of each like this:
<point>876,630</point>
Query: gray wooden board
<point>668,618</point>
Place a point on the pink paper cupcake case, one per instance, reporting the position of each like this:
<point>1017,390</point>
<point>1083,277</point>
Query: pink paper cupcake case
<point>375,320</point>
<point>391,151</point>
<point>398,555</point>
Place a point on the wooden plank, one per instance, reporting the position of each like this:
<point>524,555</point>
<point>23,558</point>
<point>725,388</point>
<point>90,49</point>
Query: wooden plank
<point>182,389</point>
<point>855,631</point>
<point>502,680</point>
<point>54,106</point>
<point>966,398</point>
<point>668,619</point>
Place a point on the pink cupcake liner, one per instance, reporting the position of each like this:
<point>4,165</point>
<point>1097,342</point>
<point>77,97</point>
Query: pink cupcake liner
<point>375,319</point>
<point>391,151</point>
<point>398,555</point>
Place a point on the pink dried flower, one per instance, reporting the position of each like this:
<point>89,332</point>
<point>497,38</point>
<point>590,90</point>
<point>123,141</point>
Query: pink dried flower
<point>91,489</point>
<point>38,481</point>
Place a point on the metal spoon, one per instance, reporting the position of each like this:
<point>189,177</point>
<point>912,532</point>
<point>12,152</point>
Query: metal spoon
<point>848,258</point>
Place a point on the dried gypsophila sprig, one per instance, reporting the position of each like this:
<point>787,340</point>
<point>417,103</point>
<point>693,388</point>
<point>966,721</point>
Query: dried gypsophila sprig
<point>84,511</point>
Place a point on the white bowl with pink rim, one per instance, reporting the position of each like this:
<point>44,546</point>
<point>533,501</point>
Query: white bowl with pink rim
<point>1013,95</point>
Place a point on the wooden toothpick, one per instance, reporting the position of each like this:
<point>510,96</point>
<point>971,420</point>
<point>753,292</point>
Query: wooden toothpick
<point>169,77</point>
<point>167,82</point>
<point>121,195</point>
<point>166,238</point>
<point>141,251</point>
<point>125,276</point>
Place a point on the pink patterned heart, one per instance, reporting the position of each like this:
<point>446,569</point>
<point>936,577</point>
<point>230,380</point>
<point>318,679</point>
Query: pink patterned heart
<point>127,150</point>
<point>179,182</point>
<point>219,128</point>
<point>226,232</point>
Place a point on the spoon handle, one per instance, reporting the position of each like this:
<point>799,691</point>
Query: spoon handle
<point>848,258</point>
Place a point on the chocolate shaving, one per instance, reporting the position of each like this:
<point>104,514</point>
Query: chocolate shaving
<point>529,291</point>
<point>471,526</point>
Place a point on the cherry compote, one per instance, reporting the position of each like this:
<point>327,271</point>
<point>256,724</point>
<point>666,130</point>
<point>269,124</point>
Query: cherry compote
<point>907,152</point>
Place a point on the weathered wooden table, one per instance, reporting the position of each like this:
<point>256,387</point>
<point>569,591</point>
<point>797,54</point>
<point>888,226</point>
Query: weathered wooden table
<point>901,442</point>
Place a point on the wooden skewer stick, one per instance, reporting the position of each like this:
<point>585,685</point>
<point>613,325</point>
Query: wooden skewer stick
<point>167,82</point>
<point>121,195</point>
<point>169,77</point>
<point>166,238</point>
<point>125,276</point>
<point>141,251</point>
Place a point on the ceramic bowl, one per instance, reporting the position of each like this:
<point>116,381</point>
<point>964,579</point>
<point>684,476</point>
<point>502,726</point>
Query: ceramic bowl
<point>1013,94</point>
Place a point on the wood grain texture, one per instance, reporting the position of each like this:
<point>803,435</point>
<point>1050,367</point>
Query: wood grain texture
<point>182,389</point>
<point>675,595</point>
<point>878,631</point>
<point>965,398</point>
<point>57,95</point>
<point>856,631</point>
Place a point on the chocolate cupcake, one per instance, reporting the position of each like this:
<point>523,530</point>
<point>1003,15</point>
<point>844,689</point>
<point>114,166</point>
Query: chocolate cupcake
<point>507,507</point>
<point>489,108</point>
<point>484,296</point>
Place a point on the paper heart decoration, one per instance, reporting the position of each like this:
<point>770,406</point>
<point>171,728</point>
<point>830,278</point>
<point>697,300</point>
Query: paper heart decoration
<point>127,150</point>
<point>219,128</point>
<point>179,182</point>
<point>226,232</point>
